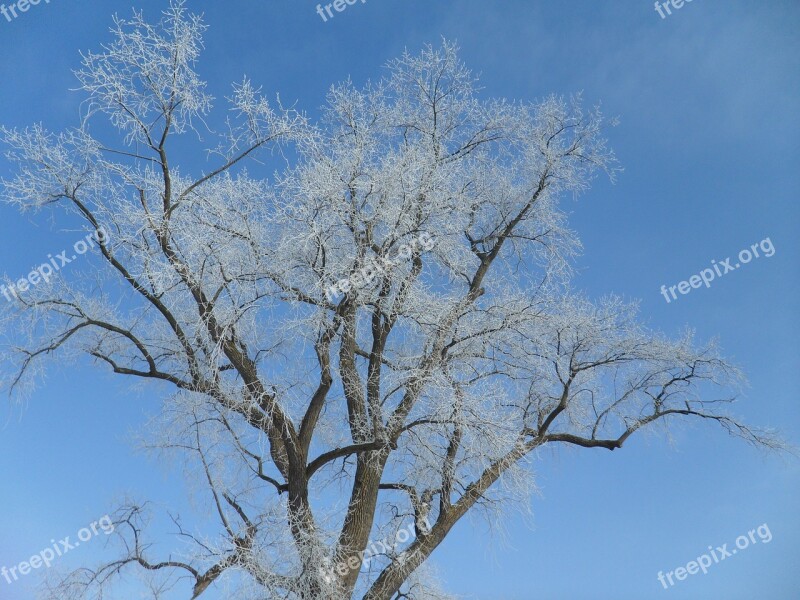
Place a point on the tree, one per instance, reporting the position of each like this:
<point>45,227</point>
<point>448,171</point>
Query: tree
<point>372,341</point>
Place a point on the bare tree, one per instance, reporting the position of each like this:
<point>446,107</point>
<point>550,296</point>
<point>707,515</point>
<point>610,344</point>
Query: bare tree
<point>377,337</point>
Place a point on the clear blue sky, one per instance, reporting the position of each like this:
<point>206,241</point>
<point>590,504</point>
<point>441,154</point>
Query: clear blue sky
<point>709,137</point>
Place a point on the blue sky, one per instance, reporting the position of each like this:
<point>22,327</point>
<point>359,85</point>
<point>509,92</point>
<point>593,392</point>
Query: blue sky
<point>707,100</point>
